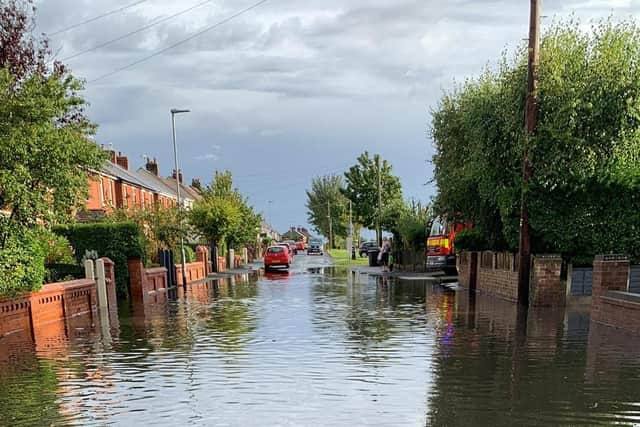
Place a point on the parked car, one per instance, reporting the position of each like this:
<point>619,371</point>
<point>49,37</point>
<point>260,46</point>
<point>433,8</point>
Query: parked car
<point>277,256</point>
<point>292,246</point>
<point>301,247</point>
<point>315,247</point>
<point>288,250</point>
<point>365,247</point>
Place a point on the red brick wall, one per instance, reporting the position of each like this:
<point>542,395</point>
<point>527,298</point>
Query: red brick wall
<point>195,272</point>
<point>145,282</point>
<point>202,255</point>
<point>53,303</point>
<point>14,315</point>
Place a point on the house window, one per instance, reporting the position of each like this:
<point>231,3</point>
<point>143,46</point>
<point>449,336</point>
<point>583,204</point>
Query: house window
<point>101,192</point>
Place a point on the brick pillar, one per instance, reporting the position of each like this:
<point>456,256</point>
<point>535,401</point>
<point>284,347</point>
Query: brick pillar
<point>610,273</point>
<point>545,287</point>
<point>202,255</point>
<point>110,273</point>
<point>137,277</point>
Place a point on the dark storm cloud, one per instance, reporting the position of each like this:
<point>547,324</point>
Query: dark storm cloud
<point>290,81</point>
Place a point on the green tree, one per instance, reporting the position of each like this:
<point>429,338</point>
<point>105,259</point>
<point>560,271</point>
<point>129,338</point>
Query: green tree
<point>224,215</point>
<point>327,195</point>
<point>45,150</point>
<point>362,190</point>
<point>584,154</point>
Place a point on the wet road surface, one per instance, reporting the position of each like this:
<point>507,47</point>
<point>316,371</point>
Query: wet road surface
<point>315,346</point>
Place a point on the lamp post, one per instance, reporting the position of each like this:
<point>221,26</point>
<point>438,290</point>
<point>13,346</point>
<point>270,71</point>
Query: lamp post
<point>175,111</point>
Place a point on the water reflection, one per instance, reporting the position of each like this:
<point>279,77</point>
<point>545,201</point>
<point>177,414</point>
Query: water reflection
<point>323,347</point>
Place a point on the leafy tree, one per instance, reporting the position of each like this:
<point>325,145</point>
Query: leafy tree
<point>327,192</point>
<point>362,190</point>
<point>411,224</point>
<point>45,150</point>
<point>224,215</point>
<point>161,226</point>
<point>584,153</point>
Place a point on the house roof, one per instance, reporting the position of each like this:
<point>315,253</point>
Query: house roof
<point>158,184</point>
<point>123,174</point>
<point>187,192</point>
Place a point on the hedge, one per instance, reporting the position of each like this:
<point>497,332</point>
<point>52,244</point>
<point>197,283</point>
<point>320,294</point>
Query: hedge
<point>22,265</point>
<point>117,241</point>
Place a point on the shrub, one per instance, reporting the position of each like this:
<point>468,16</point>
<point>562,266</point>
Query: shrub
<point>21,265</point>
<point>470,240</point>
<point>189,254</point>
<point>117,241</point>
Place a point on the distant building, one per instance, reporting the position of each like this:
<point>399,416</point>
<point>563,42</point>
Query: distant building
<point>116,187</point>
<point>267,231</point>
<point>297,234</point>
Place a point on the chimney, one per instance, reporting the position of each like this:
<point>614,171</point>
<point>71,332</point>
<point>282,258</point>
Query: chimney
<point>122,161</point>
<point>152,166</point>
<point>195,183</point>
<point>179,176</point>
<point>112,157</point>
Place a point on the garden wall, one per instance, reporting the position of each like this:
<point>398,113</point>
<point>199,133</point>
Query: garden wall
<point>496,273</point>
<point>54,303</point>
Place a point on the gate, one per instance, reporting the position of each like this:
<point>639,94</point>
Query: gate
<point>634,279</point>
<point>581,281</point>
<point>166,260</point>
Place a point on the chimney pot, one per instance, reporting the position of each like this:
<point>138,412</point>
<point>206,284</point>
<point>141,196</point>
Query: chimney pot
<point>152,166</point>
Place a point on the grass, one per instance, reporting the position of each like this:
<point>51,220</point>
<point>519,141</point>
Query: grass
<point>342,258</point>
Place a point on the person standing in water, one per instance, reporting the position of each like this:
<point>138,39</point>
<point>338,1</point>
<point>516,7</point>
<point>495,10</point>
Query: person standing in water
<point>385,252</point>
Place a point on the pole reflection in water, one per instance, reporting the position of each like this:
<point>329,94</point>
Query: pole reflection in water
<point>323,347</point>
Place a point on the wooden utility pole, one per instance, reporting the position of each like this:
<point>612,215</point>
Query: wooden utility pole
<point>531,116</point>
<point>330,224</point>
<point>379,225</point>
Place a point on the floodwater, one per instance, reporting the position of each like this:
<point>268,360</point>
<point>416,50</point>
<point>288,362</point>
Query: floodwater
<point>319,347</point>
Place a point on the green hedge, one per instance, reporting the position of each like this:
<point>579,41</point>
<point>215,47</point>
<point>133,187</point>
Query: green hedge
<point>470,240</point>
<point>117,241</point>
<point>22,265</point>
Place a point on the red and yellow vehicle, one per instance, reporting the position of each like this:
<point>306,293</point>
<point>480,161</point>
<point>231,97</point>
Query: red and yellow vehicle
<point>441,254</point>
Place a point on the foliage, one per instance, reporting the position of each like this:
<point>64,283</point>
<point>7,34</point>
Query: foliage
<point>22,264</point>
<point>328,192</point>
<point>584,154</point>
<point>57,248</point>
<point>189,254</point>
<point>470,240</point>
<point>117,241</point>
<point>45,150</point>
<point>161,227</point>
<point>411,225</point>
<point>223,214</point>
<point>362,190</point>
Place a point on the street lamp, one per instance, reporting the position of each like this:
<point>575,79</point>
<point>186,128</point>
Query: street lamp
<point>175,111</point>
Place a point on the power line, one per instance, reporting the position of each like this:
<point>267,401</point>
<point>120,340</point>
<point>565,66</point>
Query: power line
<point>95,18</point>
<point>139,30</point>
<point>181,42</point>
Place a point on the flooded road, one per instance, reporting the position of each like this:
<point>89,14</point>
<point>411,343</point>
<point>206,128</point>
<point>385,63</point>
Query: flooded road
<point>320,347</point>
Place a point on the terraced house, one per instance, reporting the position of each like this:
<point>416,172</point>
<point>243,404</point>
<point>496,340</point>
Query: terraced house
<point>115,186</point>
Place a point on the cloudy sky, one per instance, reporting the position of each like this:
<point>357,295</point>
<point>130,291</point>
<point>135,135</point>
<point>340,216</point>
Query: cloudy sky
<point>290,89</point>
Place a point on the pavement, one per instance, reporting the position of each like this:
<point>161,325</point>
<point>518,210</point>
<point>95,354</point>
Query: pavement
<point>431,276</point>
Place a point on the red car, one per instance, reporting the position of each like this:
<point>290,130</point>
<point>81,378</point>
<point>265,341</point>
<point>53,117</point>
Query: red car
<point>277,256</point>
<point>301,247</point>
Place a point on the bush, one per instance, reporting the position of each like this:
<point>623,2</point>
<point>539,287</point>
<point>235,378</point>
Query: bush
<point>57,248</point>
<point>117,241</point>
<point>63,272</point>
<point>22,265</point>
<point>470,240</point>
<point>189,254</point>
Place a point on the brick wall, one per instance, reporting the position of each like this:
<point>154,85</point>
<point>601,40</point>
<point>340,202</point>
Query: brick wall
<point>500,283</point>
<point>467,266</point>
<point>546,289</point>
<point>611,304</point>
<point>195,271</point>
<point>143,282</point>
<point>52,304</point>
